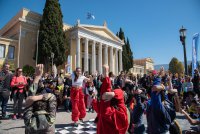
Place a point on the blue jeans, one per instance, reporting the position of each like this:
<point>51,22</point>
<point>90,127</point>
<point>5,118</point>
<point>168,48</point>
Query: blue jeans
<point>67,104</point>
<point>3,103</point>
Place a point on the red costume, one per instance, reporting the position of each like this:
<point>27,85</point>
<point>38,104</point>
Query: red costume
<point>78,105</point>
<point>111,120</point>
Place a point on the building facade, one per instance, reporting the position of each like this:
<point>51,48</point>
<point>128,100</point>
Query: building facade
<point>143,65</point>
<point>8,51</point>
<point>137,70</point>
<point>91,46</point>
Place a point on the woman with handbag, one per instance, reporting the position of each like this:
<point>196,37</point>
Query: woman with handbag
<point>18,85</point>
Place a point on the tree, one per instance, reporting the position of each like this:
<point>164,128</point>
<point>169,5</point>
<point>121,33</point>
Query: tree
<point>127,55</point>
<point>28,70</point>
<point>51,35</point>
<point>175,66</point>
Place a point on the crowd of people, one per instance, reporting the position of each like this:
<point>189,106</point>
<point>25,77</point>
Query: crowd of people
<point>121,102</point>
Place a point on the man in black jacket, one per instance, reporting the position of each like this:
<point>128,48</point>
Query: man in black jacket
<point>195,81</point>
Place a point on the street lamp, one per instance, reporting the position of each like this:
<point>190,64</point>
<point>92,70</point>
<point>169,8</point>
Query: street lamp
<point>52,56</point>
<point>182,32</point>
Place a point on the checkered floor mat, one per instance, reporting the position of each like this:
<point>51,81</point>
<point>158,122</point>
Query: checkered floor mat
<point>87,127</point>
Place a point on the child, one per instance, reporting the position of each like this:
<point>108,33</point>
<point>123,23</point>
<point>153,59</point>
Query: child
<point>91,92</point>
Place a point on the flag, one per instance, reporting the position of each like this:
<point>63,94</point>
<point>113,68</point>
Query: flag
<point>194,52</point>
<point>90,16</point>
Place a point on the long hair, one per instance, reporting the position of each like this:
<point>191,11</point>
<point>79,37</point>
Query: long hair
<point>76,76</point>
<point>16,73</point>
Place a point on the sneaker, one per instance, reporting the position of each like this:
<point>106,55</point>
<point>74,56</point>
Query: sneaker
<point>81,120</point>
<point>5,117</point>
<point>14,117</point>
<point>75,124</point>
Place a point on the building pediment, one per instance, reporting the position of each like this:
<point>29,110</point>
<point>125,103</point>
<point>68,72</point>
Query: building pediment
<point>102,31</point>
<point>149,60</point>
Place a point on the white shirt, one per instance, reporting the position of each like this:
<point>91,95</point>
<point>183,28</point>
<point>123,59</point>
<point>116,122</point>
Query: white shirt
<point>79,81</point>
<point>91,89</point>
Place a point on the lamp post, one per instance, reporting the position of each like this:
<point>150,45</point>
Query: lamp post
<point>182,32</point>
<point>52,56</point>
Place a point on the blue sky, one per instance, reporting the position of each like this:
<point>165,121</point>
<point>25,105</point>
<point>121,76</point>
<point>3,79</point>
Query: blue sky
<point>151,25</point>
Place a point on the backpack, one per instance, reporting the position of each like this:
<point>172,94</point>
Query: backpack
<point>39,119</point>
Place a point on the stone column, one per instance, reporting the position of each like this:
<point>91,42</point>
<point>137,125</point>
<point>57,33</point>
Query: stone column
<point>78,52</point>
<point>106,55</point>
<point>100,58</point>
<point>86,55</point>
<point>93,57</point>
<point>120,60</point>
<point>111,59</point>
<point>116,62</point>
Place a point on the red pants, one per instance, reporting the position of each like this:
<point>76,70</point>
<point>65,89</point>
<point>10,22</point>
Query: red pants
<point>78,105</point>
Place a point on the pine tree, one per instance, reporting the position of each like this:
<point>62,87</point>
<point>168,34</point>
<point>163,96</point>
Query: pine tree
<point>121,34</point>
<point>51,36</point>
<point>127,55</point>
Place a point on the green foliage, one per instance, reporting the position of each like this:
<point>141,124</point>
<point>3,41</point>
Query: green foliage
<point>175,66</point>
<point>127,55</point>
<point>51,35</point>
<point>28,70</point>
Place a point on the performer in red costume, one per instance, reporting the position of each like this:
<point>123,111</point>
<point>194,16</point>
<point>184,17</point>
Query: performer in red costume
<point>77,96</point>
<point>111,110</point>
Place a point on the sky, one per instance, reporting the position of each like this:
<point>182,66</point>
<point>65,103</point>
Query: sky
<point>152,26</point>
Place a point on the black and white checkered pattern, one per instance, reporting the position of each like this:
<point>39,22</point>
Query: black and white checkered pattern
<point>87,127</point>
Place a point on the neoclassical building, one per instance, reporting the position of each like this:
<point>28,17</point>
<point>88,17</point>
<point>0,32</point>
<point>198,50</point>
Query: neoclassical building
<point>147,63</point>
<point>91,45</point>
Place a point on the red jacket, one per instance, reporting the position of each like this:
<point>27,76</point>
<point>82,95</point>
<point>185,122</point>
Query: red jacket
<point>20,79</point>
<point>110,119</point>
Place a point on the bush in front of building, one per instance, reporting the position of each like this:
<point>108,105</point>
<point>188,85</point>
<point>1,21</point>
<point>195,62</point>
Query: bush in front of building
<point>28,70</point>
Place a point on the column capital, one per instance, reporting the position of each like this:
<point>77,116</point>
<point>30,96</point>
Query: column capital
<point>106,46</point>
<point>86,39</point>
<point>94,42</point>
<point>99,44</point>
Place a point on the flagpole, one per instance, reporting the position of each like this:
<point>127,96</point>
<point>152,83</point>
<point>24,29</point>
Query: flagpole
<point>37,48</point>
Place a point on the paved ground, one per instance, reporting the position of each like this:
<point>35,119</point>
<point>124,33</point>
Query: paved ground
<point>63,123</point>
